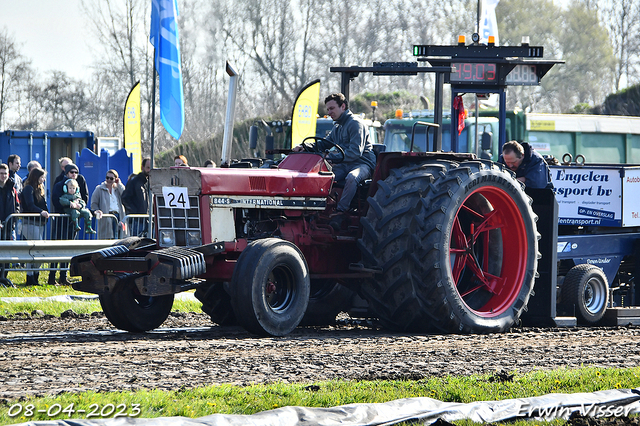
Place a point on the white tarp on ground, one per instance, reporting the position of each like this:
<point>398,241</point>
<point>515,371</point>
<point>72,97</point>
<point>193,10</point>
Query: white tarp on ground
<point>608,403</point>
<point>75,298</point>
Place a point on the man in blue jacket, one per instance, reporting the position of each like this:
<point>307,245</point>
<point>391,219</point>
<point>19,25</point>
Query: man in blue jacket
<point>135,198</point>
<point>351,134</point>
<point>529,166</point>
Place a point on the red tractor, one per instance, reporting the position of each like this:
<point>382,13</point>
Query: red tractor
<point>434,241</point>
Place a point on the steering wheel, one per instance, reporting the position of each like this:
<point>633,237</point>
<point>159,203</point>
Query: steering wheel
<point>314,148</point>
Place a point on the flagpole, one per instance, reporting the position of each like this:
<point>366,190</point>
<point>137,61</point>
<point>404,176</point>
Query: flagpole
<point>478,15</point>
<point>477,135</point>
<point>153,126</point>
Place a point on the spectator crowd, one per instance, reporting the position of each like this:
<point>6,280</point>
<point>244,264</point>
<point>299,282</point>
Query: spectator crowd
<point>25,210</point>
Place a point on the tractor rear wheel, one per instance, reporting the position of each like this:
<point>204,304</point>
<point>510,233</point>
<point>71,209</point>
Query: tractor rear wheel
<point>457,244</point>
<point>326,300</point>
<point>270,287</point>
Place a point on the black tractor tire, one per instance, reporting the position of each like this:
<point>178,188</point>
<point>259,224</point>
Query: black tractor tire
<point>216,302</point>
<point>457,244</point>
<point>270,287</point>
<point>111,311</point>
<point>107,301</point>
<point>585,286</point>
<point>326,300</point>
<point>128,310</point>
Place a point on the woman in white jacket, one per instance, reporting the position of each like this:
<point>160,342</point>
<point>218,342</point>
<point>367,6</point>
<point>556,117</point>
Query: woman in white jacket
<point>107,198</point>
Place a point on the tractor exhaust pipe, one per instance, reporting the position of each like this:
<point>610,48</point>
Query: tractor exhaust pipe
<point>227,139</point>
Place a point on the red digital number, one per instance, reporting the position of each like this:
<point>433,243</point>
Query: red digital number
<point>471,72</point>
<point>491,73</point>
<point>467,72</point>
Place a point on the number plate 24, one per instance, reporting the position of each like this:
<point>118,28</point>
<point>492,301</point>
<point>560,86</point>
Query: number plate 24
<point>175,197</point>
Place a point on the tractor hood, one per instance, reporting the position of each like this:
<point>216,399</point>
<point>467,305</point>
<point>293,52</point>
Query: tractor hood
<point>284,182</point>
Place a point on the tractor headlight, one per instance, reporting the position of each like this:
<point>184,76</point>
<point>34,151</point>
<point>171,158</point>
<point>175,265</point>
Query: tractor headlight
<point>193,238</point>
<point>167,238</point>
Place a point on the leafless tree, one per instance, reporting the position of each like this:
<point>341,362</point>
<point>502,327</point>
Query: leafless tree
<point>14,70</point>
<point>65,104</point>
<point>120,29</point>
<point>622,20</point>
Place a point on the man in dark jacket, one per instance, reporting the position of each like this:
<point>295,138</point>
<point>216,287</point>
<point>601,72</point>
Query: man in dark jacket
<point>8,200</point>
<point>351,134</point>
<point>529,166</point>
<point>14,164</point>
<point>60,228</point>
<point>8,205</point>
<point>62,177</point>
<point>134,197</point>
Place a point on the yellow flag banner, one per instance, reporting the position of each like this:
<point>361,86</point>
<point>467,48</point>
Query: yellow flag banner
<point>305,113</point>
<point>132,141</point>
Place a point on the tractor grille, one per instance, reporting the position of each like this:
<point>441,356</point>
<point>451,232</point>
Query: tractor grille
<point>179,227</point>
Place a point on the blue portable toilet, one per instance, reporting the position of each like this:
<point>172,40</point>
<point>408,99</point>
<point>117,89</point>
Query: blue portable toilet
<point>122,162</point>
<point>94,168</point>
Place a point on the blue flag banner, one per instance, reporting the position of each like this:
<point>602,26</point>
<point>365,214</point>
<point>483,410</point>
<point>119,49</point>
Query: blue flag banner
<point>488,21</point>
<point>164,38</point>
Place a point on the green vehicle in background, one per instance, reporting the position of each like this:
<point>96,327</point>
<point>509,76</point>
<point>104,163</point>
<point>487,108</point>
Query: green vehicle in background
<point>397,134</point>
<point>601,139</point>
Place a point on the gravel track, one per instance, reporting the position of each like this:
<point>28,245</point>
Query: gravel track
<point>48,356</point>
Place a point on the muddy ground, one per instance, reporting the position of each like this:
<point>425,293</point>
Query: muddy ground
<point>52,355</point>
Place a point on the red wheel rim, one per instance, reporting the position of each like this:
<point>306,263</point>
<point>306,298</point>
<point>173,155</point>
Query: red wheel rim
<point>488,251</point>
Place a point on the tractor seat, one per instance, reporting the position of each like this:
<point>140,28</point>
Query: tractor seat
<point>377,149</point>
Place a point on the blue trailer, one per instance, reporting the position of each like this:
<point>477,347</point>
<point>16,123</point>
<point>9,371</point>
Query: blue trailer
<point>590,245</point>
<point>46,147</point>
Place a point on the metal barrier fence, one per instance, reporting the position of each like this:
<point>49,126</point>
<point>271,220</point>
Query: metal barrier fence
<point>32,226</point>
<point>138,225</point>
<point>31,242</point>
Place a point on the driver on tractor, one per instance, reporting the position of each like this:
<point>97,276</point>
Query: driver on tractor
<point>358,161</point>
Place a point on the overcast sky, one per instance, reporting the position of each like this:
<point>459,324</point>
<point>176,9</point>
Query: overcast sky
<point>51,34</point>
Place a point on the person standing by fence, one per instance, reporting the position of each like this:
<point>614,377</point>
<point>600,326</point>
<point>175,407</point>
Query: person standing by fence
<point>14,164</point>
<point>107,198</point>
<point>62,229</point>
<point>33,201</point>
<point>135,198</point>
<point>32,165</point>
<point>8,205</point>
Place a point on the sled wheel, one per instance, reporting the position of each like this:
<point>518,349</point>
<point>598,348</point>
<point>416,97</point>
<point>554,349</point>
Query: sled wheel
<point>128,310</point>
<point>270,287</point>
<point>216,303</point>
<point>457,243</point>
<point>327,299</point>
<point>585,286</point>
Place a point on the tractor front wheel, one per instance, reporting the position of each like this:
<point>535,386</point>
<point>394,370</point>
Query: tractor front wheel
<point>270,287</point>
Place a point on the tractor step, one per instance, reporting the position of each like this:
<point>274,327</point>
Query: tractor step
<point>565,321</point>
<point>621,316</point>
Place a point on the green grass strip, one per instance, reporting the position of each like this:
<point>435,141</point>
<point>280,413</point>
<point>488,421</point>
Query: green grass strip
<point>231,399</point>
